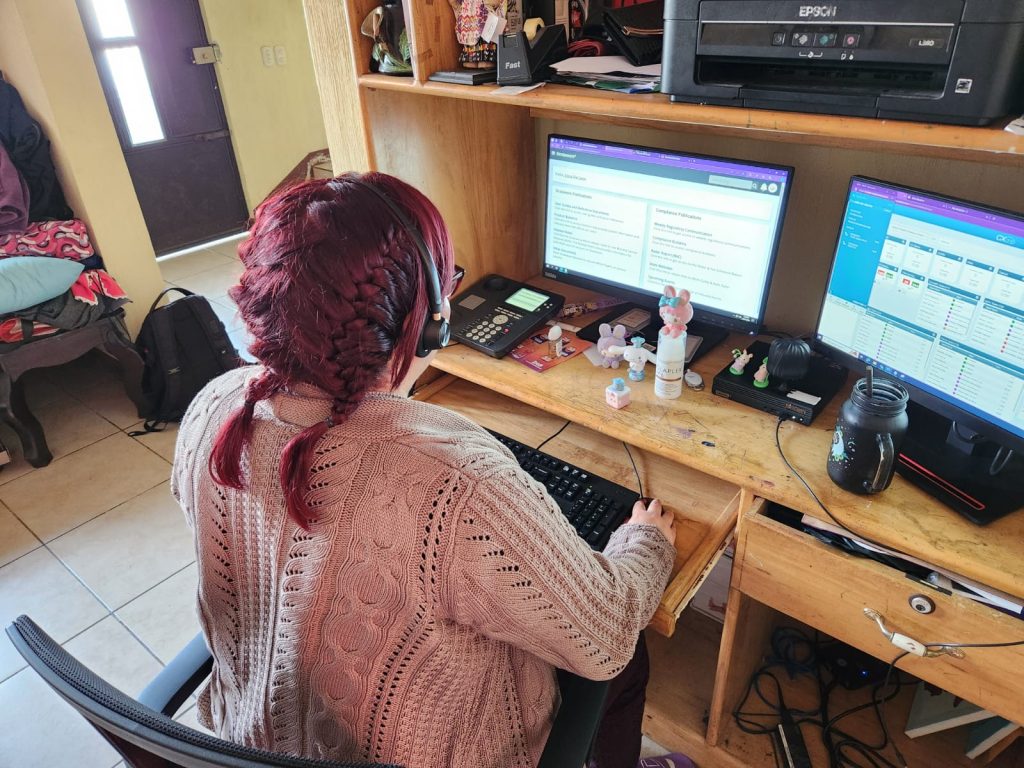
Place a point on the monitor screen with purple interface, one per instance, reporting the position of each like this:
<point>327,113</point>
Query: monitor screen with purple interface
<point>930,290</point>
<point>629,220</point>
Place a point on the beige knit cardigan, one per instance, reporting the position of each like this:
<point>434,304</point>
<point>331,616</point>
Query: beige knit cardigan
<point>420,618</point>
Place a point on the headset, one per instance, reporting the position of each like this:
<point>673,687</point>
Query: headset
<point>436,332</point>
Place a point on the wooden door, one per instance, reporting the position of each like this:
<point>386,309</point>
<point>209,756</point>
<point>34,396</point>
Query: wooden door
<point>157,70</point>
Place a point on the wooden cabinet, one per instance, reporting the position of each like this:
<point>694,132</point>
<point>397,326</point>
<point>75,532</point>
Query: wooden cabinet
<point>829,590</point>
<point>475,152</point>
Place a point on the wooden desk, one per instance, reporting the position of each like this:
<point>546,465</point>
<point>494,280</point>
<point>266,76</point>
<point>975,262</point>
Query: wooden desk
<point>714,463</point>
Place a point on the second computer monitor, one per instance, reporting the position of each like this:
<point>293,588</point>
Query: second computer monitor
<point>627,220</point>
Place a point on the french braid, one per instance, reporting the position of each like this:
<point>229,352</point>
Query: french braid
<point>332,294</point>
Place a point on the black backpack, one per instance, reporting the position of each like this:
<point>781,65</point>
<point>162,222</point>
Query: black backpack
<point>183,346</point>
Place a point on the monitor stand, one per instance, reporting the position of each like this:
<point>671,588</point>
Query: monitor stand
<point>938,460</point>
<point>710,335</point>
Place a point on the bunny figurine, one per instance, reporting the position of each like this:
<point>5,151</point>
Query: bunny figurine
<point>676,311</point>
<point>611,338</point>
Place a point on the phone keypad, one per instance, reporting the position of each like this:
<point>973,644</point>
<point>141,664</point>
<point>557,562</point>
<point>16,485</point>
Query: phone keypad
<point>490,330</point>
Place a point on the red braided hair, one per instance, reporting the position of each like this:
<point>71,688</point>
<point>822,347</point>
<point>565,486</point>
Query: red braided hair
<point>332,293</point>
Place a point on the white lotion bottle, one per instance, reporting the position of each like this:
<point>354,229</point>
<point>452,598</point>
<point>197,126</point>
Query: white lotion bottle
<point>669,365</point>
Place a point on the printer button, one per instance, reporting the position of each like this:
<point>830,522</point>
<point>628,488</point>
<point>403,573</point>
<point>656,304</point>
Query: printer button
<point>778,38</point>
<point>851,41</point>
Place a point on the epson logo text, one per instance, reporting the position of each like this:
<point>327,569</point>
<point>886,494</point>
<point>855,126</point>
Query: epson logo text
<point>818,11</point>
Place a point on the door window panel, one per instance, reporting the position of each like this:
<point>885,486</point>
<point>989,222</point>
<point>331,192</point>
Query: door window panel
<point>134,93</point>
<point>112,18</point>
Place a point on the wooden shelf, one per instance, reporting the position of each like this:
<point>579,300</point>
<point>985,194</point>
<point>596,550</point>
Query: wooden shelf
<point>678,699</point>
<point>984,145</point>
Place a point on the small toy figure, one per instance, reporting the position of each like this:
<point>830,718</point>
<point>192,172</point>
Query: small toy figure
<point>676,311</point>
<point>555,342</point>
<point>740,361</point>
<point>611,339</point>
<point>637,357</point>
<point>761,377</point>
<point>617,394</point>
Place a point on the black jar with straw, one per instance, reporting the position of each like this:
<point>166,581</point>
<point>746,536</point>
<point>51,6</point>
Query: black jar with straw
<point>869,432</point>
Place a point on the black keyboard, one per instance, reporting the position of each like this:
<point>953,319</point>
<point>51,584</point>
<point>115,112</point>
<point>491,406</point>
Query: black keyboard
<point>594,506</point>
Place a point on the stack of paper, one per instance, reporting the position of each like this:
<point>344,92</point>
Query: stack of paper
<point>609,73</point>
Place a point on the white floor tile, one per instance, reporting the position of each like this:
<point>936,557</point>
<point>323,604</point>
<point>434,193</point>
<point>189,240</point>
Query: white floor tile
<point>39,586</point>
<point>229,248</point>
<point>130,549</point>
<point>164,618</point>
<point>109,650</point>
<point>15,539</point>
<point>226,310</point>
<point>54,499</point>
<point>39,730</point>
<point>650,748</point>
<point>190,717</point>
<point>213,283</point>
<point>179,267</point>
<point>161,443</point>
<point>67,425</point>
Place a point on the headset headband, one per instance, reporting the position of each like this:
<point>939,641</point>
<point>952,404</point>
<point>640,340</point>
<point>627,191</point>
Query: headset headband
<point>433,282</point>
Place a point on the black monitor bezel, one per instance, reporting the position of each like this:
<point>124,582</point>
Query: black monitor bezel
<point>927,399</point>
<point>637,296</point>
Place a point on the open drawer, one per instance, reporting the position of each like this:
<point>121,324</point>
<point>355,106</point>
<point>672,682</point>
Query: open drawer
<point>828,589</point>
<point>706,508</point>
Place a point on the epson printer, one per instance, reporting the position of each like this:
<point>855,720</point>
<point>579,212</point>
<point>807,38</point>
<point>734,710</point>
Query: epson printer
<point>944,61</point>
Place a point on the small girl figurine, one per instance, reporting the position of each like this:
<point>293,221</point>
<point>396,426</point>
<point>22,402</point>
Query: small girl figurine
<point>740,361</point>
<point>675,311</point>
<point>761,377</point>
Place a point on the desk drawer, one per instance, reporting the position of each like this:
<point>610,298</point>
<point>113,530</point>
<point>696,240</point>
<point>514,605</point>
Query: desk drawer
<point>829,590</point>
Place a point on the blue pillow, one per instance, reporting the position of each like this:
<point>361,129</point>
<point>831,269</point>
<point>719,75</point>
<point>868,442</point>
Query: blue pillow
<point>29,280</point>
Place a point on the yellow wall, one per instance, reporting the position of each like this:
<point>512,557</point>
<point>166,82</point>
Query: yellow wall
<point>50,64</point>
<point>273,112</point>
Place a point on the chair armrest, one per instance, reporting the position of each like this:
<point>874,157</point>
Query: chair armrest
<point>572,733</point>
<point>179,679</point>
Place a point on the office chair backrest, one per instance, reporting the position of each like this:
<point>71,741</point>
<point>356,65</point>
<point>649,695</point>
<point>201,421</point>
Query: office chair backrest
<point>146,738</point>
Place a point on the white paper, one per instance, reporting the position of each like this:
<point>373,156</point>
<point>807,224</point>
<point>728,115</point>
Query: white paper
<point>600,65</point>
<point>515,90</point>
<point>493,27</point>
<point>1017,126</point>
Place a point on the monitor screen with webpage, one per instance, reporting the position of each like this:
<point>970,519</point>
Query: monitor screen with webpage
<point>626,220</point>
<point>930,290</point>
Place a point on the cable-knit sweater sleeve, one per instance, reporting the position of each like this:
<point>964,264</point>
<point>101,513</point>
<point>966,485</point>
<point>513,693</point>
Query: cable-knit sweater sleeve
<point>520,574</point>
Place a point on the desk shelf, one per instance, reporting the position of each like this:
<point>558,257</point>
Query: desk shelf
<point>736,444</point>
<point>990,144</point>
<point>679,698</point>
<point>706,508</point>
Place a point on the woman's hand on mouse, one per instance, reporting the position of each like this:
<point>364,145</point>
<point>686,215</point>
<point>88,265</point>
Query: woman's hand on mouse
<point>652,514</point>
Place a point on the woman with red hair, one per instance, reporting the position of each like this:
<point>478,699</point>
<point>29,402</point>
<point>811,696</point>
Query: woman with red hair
<point>378,579</point>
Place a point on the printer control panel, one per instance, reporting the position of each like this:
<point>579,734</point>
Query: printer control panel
<point>918,44</point>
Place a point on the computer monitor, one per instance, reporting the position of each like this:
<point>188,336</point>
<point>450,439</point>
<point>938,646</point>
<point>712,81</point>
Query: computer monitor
<point>625,221</point>
<point>929,290</point>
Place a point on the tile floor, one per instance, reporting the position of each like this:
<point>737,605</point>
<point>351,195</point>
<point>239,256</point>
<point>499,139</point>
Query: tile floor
<point>102,560</point>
